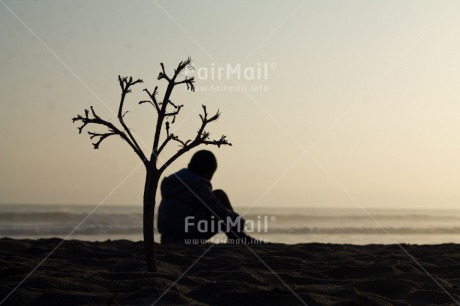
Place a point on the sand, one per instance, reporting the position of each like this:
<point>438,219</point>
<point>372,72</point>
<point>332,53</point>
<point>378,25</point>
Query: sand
<point>113,273</point>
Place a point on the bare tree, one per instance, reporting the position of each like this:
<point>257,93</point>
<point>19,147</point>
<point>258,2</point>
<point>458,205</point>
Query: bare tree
<point>166,116</point>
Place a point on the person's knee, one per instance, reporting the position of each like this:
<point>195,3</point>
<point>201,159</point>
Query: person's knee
<point>223,198</point>
<point>220,193</point>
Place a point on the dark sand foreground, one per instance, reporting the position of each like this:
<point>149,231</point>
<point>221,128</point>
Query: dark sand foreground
<point>113,272</point>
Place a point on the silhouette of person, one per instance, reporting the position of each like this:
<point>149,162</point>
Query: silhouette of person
<point>190,209</point>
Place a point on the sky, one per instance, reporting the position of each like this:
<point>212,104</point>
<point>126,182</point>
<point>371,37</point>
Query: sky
<point>357,103</point>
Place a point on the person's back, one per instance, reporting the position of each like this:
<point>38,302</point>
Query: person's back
<point>187,198</point>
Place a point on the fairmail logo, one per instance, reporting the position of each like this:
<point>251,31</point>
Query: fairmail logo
<point>259,72</point>
<point>259,225</point>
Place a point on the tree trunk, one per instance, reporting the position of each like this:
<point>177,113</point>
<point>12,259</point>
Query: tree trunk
<point>150,190</point>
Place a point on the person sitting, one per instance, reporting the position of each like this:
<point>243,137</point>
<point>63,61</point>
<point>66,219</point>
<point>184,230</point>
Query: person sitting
<point>190,209</point>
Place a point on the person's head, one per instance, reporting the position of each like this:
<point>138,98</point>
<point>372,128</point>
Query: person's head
<point>203,163</point>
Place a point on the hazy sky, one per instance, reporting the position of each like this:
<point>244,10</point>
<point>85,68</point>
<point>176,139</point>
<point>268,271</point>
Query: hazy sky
<point>361,103</point>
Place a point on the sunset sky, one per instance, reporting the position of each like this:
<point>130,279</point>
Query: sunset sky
<point>360,105</point>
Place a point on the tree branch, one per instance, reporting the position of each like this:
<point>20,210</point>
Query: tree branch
<point>188,82</point>
<point>168,138</point>
<point>202,137</point>
<point>182,66</point>
<point>218,143</point>
<point>177,155</point>
<point>162,114</point>
<point>174,113</point>
<point>204,121</point>
<point>125,84</point>
<point>101,136</point>
<point>113,130</point>
<point>153,98</point>
<point>163,74</point>
<point>187,64</point>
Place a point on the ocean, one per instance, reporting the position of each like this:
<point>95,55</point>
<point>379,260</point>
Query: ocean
<point>286,225</point>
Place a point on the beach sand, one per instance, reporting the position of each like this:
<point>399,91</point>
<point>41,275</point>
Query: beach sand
<point>113,272</point>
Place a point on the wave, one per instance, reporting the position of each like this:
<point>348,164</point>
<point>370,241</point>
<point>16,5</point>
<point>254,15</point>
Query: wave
<point>331,223</point>
<point>34,217</point>
<point>61,230</point>
<point>53,217</point>
<point>91,229</point>
<point>365,230</point>
<point>357,217</point>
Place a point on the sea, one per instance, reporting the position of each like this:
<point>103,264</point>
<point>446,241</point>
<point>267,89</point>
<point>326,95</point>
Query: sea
<point>284,225</point>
